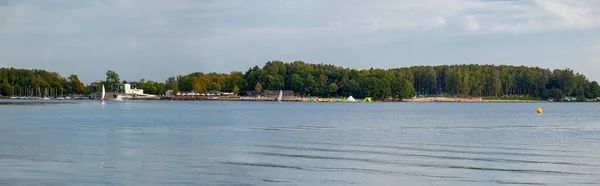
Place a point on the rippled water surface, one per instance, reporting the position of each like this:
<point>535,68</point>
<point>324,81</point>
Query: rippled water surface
<point>269,143</point>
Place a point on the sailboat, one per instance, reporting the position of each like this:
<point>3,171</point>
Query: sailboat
<point>280,97</point>
<point>102,95</point>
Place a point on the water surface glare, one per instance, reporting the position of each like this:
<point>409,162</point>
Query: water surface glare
<point>270,143</point>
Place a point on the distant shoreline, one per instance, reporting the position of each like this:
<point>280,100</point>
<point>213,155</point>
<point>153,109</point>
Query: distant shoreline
<point>493,83</point>
<point>478,100</point>
<point>8,101</point>
<point>32,102</point>
<point>304,99</point>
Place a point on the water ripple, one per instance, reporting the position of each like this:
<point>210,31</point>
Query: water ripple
<point>459,151</point>
<point>32,158</point>
<point>270,165</point>
<point>303,156</point>
<point>426,156</point>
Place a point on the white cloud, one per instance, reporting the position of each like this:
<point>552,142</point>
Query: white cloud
<point>482,16</point>
<point>576,15</point>
<point>211,30</point>
<point>472,23</point>
<point>595,47</point>
<point>376,24</point>
<point>441,20</point>
<point>158,16</point>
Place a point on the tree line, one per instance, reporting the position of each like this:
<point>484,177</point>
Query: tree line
<point>325,80</point>
<point>23,82</point>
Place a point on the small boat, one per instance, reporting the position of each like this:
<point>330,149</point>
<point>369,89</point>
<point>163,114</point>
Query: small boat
<point>350,99</point>
<point>45,98</point>
<point>119,98</point>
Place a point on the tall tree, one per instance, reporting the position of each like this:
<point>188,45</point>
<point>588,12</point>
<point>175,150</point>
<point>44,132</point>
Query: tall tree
<point>112,77</point>
<point>5,88</point>
<point>236,90</point>
<point>199,87</point>
<point>75,85</point>
<point>408,91</point>
<point>258,88</point>
<point>296,83</point>
<point>171,84</point>
<point>396,87</point>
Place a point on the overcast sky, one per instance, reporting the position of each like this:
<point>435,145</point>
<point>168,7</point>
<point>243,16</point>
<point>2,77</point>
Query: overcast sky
<point>155,39</point>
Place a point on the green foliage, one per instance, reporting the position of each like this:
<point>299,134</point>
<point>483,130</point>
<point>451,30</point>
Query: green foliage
<point>151,87</point>
<point>32,82</point>
<point>332,89</point>
<point>236,90</point>
<point>296,83</point>
<point>5,88</point>
<point>75,86</point>
<point>171,84</point>
<point>233,80</point>
<point>408,91</point>
<point>593,90</point>
<point>554,93</point>
<point>322,80</point>
<point>258,88</point>
<point>199,87</point>
<point>449,80</point>
<point>112,77</point>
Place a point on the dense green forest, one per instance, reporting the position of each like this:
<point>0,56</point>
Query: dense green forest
<point>446,80</point>
<point>37,82</point>
<point>332,81</point>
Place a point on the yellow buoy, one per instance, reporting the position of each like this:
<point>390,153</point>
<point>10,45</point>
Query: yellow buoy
<point>539,110</point>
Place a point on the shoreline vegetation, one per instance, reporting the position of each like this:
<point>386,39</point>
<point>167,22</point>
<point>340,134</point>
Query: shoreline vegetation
<point>428,99</point>
<point>443,83</point>
<point>302,99</point>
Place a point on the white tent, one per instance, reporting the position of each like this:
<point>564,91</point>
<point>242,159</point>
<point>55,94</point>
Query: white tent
<point>350,99</point>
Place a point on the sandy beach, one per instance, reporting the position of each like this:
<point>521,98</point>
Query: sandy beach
<point>471,99</point>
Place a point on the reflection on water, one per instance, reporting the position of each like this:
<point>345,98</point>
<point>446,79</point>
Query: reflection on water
<point>254,143</point>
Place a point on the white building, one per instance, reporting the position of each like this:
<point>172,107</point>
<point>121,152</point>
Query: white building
<point>123,91</point>
<point>129,90</point>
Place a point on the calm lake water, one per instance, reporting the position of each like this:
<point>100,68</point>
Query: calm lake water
<point>269,143</point>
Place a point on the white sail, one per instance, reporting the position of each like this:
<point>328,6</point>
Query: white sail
<point>280,97</point>
<point>103,92</point>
